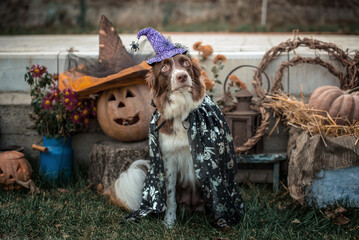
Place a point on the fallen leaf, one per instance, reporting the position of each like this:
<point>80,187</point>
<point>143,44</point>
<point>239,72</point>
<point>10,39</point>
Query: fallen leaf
<point>339,210</point>
<point>341,220</point>
<point>336,215</point>
<point>62,190</point>
<point>99,188</point>
<point>225,229</point>
<point>89,186</point>
<point>296,221</point>
<point>58,226</point>
<point>329,215</point>
<point>282,205</point>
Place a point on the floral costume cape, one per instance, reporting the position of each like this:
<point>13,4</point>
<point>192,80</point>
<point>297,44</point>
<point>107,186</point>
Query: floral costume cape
<point>212,150</point>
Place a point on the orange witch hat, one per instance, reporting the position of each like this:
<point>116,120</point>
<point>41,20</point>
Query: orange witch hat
<point>114,68</point>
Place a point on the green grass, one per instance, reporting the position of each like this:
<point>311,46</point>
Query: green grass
<point>80,213</point>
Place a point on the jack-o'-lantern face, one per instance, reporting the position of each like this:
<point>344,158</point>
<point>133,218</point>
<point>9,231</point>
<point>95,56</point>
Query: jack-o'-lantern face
<point>13,167</point>
<point>125,113</point>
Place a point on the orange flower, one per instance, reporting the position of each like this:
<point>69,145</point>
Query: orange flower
<point>204,73</point>
<point>195,60</point>
<point>218,58</point>
<point>207,81</point>
<point>196,46</point>
<point>206,50</point>
<point>237,82</point>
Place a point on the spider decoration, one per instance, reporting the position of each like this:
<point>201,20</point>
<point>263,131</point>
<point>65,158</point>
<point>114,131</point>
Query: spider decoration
<point>134,46</point>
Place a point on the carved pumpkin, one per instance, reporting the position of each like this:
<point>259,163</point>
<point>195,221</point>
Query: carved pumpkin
<point>341,105</point>
<point>13,166</point>
<point>125,113</point>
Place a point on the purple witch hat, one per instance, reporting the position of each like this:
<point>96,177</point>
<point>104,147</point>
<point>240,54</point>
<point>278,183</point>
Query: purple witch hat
<point>162,46</point>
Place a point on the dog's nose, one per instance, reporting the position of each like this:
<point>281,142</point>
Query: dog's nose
<point>181,77</point>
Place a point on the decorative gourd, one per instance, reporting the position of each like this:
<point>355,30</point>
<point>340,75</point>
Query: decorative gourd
<point>125,113</point>
<point>13,166</point>
<point>341,105</point>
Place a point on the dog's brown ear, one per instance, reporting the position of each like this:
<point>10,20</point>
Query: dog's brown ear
<point>198,85</point>
<point>151,79</point>
<point>196,69</point>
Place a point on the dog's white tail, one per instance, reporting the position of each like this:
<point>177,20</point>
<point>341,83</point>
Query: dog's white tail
<point>128,187</point>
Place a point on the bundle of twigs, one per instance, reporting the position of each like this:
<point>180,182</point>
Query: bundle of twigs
<point>347,73</point>
<point>299,115</point>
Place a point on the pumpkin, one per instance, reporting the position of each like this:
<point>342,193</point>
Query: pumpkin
<point>343,106</point>
<point>125,113</point>
<point>13,166</point>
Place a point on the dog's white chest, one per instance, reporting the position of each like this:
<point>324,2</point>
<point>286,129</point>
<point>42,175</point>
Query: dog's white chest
<point>175,142</point>
<point>176,154</point>
<point>175,146</point>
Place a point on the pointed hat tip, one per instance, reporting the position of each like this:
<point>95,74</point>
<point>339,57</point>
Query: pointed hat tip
<point>161,45</point>
<point>145,31</point>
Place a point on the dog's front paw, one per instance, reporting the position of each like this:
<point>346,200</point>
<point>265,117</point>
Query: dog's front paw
<point>169,224</point>
<point>170,220</point>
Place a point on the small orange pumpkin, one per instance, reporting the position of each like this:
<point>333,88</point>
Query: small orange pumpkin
<point>13,166</point>
<point>341,105</point>
<point>125,113</point>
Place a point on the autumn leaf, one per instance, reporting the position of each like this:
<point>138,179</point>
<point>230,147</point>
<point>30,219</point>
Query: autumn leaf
<point>336,216</point>
<point>296,221</point>
<point>341,220</point>
<point>62,190</point>
<point>100,188</point>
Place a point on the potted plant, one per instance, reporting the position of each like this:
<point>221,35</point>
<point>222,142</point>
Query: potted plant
<point>57,115</point>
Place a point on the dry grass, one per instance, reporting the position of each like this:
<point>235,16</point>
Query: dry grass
<point>299,115</point>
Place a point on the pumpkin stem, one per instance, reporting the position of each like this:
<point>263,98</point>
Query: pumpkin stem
<point>354,90</point>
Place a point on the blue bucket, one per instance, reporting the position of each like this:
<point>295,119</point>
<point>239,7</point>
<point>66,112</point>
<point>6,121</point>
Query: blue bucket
<point>57,164</point>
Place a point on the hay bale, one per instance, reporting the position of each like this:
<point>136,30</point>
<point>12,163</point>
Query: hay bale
<point>299,115</point>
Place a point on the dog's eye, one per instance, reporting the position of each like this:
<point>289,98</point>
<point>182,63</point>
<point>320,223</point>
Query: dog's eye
<point>164,68</point>
<point>186,63</point>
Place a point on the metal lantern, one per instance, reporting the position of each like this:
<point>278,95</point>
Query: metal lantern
<point>243,122</point>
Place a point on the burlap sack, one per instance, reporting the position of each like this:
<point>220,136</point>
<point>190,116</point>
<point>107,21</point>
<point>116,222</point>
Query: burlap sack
<point>309,155</point>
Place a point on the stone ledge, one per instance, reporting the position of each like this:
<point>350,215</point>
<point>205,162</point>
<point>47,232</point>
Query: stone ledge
<point>15,98</point>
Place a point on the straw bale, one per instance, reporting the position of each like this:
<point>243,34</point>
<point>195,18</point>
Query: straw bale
<point>298,114</point>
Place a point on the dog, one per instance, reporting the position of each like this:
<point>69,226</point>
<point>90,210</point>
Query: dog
<point>176,89</point>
